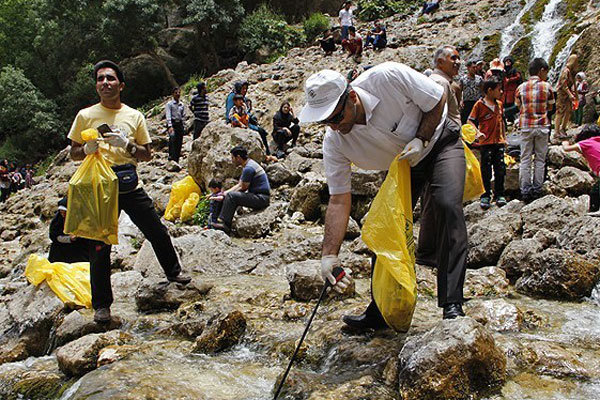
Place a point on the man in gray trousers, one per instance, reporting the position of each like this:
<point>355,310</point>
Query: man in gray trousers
<point>388,110</point>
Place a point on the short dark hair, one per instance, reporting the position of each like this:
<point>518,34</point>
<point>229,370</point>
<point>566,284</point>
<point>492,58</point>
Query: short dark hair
<point>201,85</point>
<point>108,64</point>
<point>352,29</point>
<point>588,131</point>
<point>471,62</point>
<point>175,89</point>
<point>238,97</point>
<point>536,65</point>
<point>490,84</point>
<point>240,151</point>
<point>215,184</point>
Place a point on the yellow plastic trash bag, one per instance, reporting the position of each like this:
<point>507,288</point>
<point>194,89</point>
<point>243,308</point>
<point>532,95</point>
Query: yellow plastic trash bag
<point>189,206</point>
<point>93,201</point>
<point>468,133</point>
<point>473,181</point>
<point>180,191</point>
<point>89,134</point>
<point>388,231</point>
<point>509,161</point>
<point>70,282</point>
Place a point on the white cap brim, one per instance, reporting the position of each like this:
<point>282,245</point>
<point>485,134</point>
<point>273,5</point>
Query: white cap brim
<point>314,114</point>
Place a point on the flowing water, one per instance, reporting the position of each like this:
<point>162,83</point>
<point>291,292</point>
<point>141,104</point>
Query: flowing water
<point>514,32</point>
<point>544,32</point>
<point>561,59</point>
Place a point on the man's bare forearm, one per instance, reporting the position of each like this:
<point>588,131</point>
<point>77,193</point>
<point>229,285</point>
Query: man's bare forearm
<point>76,153</point>
<point>430,120</point>
<point>336,222</point>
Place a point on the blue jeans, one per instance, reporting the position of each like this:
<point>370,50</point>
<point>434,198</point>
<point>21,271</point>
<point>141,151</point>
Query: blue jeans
<point>345,31</point>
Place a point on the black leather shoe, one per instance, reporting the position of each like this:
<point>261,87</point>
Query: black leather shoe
<point>181,278</point>
<point>453,310</point>
<point>363,322</point>
<point>221,227</point>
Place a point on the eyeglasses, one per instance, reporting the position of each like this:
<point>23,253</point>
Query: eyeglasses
<point>338,117</point>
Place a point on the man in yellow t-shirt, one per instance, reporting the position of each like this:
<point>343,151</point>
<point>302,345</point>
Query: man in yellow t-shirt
<point>128,142</point>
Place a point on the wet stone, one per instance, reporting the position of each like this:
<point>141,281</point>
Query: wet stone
<point>157,295</point>
<point>221,333</point>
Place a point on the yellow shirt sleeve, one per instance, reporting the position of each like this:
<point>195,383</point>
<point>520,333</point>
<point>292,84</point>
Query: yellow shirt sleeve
<point>78,126</point>
<point>142,136</point>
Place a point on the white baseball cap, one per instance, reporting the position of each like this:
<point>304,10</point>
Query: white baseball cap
<point>323,91</point>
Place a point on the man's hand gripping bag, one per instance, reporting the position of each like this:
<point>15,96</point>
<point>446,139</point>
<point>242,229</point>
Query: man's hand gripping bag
<point>93,201</point>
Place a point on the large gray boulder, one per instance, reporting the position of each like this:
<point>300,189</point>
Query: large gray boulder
<point>80,323</point>
<point>559,274</point>
<point>26,320</point>
<point>457,359</point>
<point>559,158</point>
<point>259,223</point>
<point>489,237</point>
<point>80,356</point>
<point>308,195</point>
<point>581,235</point>
<point>550,212</point>
<point>518,256</point>
<point>366,183</point>
<point>210,156</point>
<point>156,295</point>
<point>574,181</point>
<point>221,333</point>
<point>281,174</point>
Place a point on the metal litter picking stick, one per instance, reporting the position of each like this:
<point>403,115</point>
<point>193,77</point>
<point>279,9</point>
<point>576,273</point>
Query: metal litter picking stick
<point>339,273</point>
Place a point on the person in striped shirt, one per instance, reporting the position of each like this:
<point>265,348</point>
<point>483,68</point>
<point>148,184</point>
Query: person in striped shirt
<point>535,99</point>
<point>199,106</point>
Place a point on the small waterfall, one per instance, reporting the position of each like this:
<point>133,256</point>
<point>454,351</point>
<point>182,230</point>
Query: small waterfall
<point>514,32</point>
<point>561,59</point>
<point>544,32</point>
<point>595,296</point>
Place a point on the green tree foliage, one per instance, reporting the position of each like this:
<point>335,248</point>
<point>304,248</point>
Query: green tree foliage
<point>214,14</point>
<point>265,28</point>
<point>315,25</point>
<point>29,127</point>
<point>369,10</point>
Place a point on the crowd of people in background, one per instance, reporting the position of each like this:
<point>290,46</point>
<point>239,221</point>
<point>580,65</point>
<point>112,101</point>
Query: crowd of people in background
<point>14,178</point>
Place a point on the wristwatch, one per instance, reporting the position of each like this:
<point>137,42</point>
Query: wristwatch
<point>133,149</point>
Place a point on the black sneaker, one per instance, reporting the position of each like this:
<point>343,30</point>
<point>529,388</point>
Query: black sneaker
<point>181,278</point>
<point>102,315</point>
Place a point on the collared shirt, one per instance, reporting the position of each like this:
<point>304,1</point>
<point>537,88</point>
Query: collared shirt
<point>489,121</point>
<point>346,17</point>
<point>199,106</point>
<point>471,87</point>
<point>445,81</point>
<point>394,97</point>
<point>536,100</point>
<point>175,112</point>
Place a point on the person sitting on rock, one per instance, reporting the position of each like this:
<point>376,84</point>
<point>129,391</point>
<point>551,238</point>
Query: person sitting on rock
<point>253,189</point>
<point>216,200</point>
<point>65,248</point>
<point>486,117</point>
<point>238,114</point>
<point>587,142</point>
<point>285,128</point>
<point>327,42</point>
<point>241,88</point>
<point>377,37</point>
<point>353,45</point>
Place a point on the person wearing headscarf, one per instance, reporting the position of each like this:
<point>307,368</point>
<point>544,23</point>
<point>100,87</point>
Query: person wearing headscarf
<point>566,96</point>
<point>512,80</point>
<point>285,128</point>
<point>496,69</point>
<point>582,90</point>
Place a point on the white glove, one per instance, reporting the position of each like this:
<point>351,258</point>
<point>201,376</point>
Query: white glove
<point>328,263</point>
<point>412,151</point>
<point>90,147</point>
<point>117,139</point>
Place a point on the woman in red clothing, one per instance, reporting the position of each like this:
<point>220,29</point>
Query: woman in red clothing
<point>512,80</point>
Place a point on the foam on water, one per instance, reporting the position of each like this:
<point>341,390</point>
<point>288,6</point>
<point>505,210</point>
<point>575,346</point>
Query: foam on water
<point>545,30</point>
<point>514,32</point>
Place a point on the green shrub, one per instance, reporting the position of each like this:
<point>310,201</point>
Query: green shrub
<point>369,10</point>
<point>191,84</point>
<point>200,217</point>
<point>264,28</point>
<point>315,25</point>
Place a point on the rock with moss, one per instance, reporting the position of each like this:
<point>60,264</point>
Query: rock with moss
<point>221,333</point>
